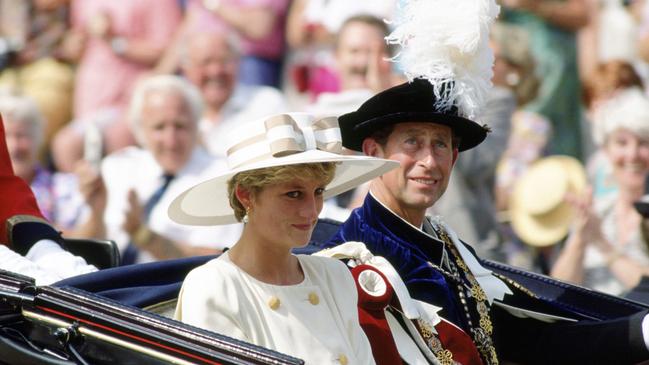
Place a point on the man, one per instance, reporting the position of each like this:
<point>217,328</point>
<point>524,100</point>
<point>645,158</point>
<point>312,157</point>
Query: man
<point>404,123</point>
<point>362,66</point>
<point>113,45</point>
<point>211,63</point>
<point>140,182</point>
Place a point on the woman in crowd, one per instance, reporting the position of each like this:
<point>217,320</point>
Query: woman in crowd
<point>281,169</point>
<point>57,193</point>
<point>607,249</point>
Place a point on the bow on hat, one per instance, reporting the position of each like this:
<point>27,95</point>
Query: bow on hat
<point>283,136</point>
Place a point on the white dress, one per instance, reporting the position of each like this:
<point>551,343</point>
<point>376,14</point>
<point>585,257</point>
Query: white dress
<point>315,320</point>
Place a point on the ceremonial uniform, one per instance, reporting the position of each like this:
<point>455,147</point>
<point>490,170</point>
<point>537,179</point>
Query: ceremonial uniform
<point>437,272</point>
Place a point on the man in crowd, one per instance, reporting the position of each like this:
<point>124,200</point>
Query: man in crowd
<point>362,64</point>
<point>211,62</point>
<point>140,182</point>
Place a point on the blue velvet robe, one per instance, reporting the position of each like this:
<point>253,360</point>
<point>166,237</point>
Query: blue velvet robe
<point>522,340</point>
<point>408,249</point>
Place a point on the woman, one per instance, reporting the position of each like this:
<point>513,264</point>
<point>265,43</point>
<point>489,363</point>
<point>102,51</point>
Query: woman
<point>607,249</point>
<point>281,169</point>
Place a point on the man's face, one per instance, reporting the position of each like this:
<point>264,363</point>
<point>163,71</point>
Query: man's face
<point>211,66</point>
<point>358,45</point>
<point>168,130</point>
<point>426,157</point>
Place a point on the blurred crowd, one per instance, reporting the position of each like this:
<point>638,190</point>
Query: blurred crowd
<point>112,108</point>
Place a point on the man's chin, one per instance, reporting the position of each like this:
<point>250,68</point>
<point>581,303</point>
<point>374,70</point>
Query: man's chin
<point>422,201</point>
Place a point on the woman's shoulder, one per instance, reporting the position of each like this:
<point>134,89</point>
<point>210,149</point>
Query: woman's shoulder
<point>220,267</point>
<point>322,262</point>
<point>325,267</point>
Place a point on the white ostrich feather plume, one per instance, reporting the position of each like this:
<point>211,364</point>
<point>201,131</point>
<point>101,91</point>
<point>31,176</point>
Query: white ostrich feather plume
<point>447,43</point>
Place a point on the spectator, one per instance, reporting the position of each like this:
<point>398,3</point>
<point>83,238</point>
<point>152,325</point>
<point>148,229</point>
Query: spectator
<point>552,26</point>
<point>515,85</point>
<point>211,62</point>
<point>33,62</point>
<point>57,193</point>
<point>606,81</point>
<point>607,250</point>
<point>312,26</point>
<point>259,24</point>
<point>34,250</point>
<point>114,43</point>
<point>164,112</point>
<point>361,64</point>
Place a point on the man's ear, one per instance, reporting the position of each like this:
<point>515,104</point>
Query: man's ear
<point>456,154</point>
<point>372,148</point>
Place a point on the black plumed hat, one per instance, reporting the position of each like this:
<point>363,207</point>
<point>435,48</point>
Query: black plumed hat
<point>413,101</point>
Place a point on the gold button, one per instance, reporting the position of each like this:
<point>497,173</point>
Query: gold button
<point>342,359</point>
<point>273,303</point>
<point>313,298</point>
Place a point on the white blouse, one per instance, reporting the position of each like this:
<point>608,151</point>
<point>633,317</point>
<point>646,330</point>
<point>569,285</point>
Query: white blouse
<point>315,320</point>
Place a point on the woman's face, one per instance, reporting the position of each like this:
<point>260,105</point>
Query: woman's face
<point>629,156</point>
<point>285,214</point>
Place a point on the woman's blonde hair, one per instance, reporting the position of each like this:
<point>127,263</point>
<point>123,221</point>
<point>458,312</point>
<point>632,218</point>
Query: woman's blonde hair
<point>255,180</point>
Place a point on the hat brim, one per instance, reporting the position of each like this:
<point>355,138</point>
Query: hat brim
<point>207,203</point>
<point>550,226</point>
<point>470,133</point>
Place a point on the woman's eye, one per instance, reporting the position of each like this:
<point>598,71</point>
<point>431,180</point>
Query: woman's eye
<point>319,191</point>
<point>293,194</point>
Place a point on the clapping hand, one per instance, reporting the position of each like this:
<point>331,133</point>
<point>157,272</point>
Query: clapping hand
<point>91,186</point>
<point>586,223</point>
<point>133,214</point>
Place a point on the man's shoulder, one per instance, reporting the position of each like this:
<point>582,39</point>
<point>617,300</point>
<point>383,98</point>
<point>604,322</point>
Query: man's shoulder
<point>203,164</point>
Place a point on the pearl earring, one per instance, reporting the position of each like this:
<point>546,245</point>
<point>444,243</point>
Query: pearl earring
<point>245,218</point>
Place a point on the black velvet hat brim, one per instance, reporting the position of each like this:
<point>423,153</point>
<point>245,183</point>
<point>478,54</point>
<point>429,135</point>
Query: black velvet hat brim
<point>409,102</point>
<point>469,132</point>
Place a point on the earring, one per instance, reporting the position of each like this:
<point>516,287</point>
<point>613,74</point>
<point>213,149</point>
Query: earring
<point>245,218</point>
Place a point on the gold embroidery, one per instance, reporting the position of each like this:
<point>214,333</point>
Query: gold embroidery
<point>478,293</point>
<point>482,334</point>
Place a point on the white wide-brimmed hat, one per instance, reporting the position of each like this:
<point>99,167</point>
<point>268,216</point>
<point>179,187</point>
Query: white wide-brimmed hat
<point>539,213</point>
<point>284,139</point>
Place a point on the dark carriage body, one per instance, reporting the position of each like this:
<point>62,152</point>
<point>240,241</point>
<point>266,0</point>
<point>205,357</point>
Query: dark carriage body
<point>122,315</point>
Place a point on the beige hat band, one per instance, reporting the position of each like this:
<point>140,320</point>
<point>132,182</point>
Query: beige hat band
<point>280,136</point>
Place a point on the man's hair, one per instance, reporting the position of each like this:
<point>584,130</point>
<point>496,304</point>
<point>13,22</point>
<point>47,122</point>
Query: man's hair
<point>382,135</point>
<point>166,84</point>
<point>256,180</point>
<point>370,20</point>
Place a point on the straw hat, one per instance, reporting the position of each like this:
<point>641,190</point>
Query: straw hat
<point>539,214</point>
<point>284,139</point>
